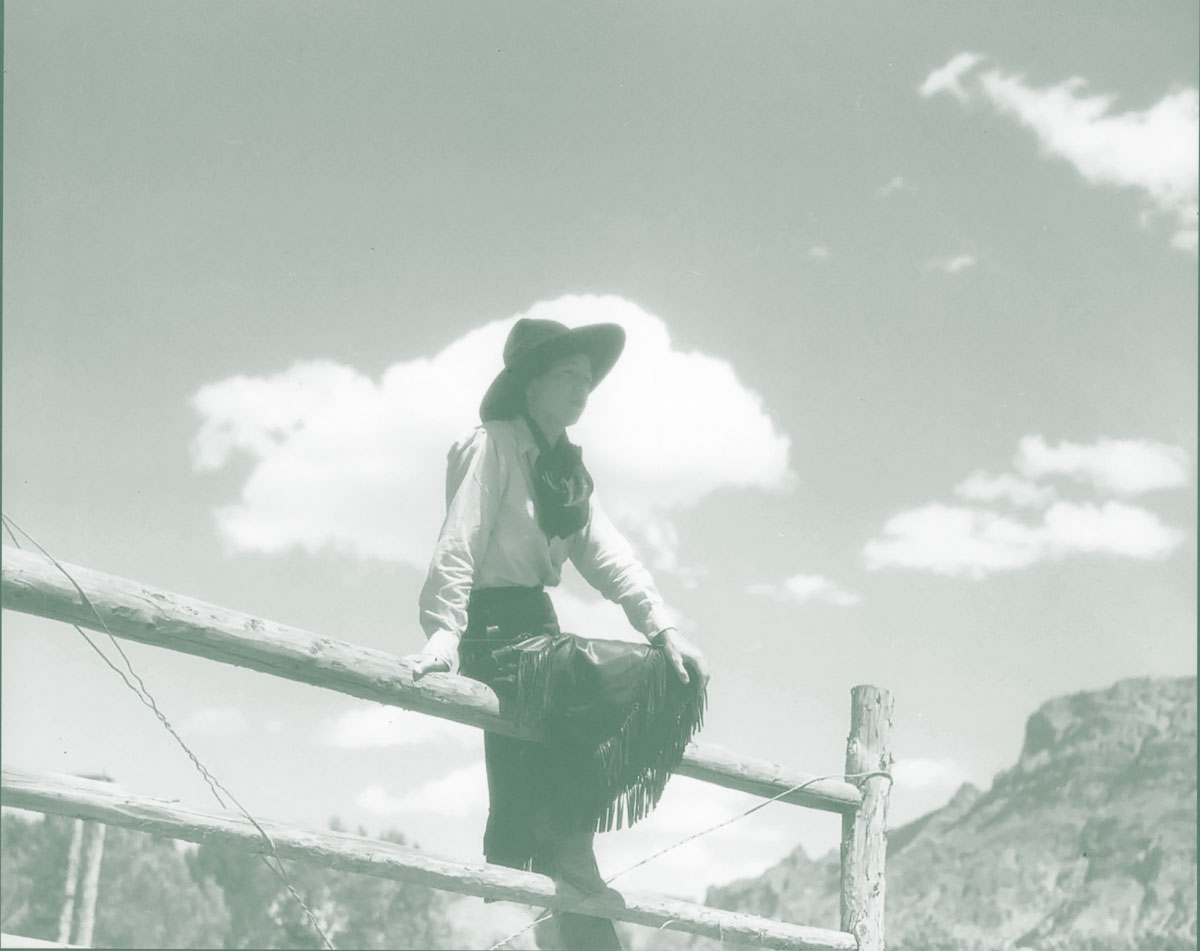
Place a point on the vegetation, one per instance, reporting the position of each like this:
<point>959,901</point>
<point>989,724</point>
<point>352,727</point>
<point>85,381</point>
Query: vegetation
<point>157,892</point>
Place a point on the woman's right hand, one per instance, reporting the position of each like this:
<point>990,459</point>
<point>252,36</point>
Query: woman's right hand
<point>439,650</point>
<point>424,663</point>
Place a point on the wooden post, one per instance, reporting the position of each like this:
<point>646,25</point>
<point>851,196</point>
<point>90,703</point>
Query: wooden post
<point>91,885</point>
<point>68,912</point>
<point>864,835</point>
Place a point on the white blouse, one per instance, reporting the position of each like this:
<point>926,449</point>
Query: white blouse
<point>491,538</point>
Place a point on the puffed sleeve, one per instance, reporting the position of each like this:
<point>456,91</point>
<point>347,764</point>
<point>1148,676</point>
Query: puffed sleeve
<point>607,562</point>
<point>475,478</point>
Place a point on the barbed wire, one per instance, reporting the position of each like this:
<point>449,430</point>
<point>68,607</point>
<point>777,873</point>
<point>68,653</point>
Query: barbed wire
<point>217,787</point>
<point>143,693</point>
<point>696,835</point>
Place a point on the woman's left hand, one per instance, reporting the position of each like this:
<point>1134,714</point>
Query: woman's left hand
<point>682,654</point>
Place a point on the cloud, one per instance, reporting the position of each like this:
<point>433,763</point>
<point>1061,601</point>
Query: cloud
<point>976,541</point>
<point>980,486</point>
<point>344,463</point>
<point>214,721</point>
<point>592,617</point>
<point>973,543</point>
<point>929,773</point>
<point>819,253</point>
<point>361,728</point>
<point>804,588</point>
<point>952,541</point>
<point>745,847</point>
<point>895,184</point>
<point>953,264</point>
<point>659,539</point>
<point>949,77</point>
<point>1111,529</point>
<point>1120,466</point>
<point>459,794</point>
<point>1154,150</point>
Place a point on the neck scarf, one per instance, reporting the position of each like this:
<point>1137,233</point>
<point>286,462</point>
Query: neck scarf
<point>562,486</point>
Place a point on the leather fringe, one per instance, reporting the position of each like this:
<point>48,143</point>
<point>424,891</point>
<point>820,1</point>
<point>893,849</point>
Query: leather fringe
<point>533,677</point>
<point>661,734</point>
<point>533,685</point>
<point>652,733</point>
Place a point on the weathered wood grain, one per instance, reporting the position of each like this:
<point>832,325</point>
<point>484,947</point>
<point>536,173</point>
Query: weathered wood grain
<point>33,585</point>
<point>105,802</point>
<point>864,836</point>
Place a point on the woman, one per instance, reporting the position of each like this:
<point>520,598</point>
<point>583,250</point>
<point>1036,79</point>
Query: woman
<point>615,715</point>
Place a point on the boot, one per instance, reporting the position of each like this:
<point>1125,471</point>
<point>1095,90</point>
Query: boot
<point>567,856</point>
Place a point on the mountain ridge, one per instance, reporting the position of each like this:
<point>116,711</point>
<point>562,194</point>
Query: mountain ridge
<point>1087,842</point>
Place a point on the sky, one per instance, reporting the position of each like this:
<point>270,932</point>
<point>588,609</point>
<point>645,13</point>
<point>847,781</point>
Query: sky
<point>908,398</point>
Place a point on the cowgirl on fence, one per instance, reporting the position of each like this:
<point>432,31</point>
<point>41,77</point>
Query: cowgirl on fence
<point>616,715</point>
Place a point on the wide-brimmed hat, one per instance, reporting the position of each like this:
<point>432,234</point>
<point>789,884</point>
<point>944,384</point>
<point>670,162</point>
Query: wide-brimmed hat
<point>532,345</point>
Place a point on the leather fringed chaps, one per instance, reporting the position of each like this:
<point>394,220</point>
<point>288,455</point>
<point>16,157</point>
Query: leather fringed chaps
<point>615,715</point>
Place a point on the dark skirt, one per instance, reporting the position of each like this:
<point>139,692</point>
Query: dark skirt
<point>615,718</point>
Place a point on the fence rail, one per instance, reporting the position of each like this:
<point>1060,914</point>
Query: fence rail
<point>32,584</point>
<point>104,802</point>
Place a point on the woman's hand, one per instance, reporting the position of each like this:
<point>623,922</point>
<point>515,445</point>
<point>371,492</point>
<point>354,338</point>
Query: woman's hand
<point>425,663</point>
<point>682,653</point>
<point>439,649</point>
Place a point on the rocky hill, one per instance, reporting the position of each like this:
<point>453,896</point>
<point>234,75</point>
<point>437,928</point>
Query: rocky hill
<point>1087,844</point>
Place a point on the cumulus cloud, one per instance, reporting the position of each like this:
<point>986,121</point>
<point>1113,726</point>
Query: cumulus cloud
<point>343,462</point>
<point>459,794</point>
<point>1154,150</point>
<point>804,588</point>
<point>953,264</point>
<point>223,721</point>
<point>361,728</point>
<point>974,543</point>
<point>977,541</point>
<point>952,541</point>
<point>949,78</point>
<point>1120,466</point>
<point>981,486</point>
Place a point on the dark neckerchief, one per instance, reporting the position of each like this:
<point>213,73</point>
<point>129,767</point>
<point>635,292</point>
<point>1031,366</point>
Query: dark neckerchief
<point>562,486</point>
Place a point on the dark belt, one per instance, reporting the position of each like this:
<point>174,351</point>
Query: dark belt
<point>509,614</point>
<point>498,618</point>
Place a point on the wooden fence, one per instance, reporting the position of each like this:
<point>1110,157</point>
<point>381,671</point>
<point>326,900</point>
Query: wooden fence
<point>32,584</point>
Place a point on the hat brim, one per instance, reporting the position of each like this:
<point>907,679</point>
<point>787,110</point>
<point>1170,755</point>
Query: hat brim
<point>601,343</point>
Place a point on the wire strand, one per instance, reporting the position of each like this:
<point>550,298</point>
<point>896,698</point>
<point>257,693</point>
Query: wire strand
<point>697,835</point>
<point>143,693</point>
<point>217,787</point>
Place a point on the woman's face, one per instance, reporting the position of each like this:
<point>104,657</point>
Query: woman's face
<point>560,395</point>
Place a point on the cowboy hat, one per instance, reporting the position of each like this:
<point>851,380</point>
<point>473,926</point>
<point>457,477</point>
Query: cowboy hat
<point>532,345</point>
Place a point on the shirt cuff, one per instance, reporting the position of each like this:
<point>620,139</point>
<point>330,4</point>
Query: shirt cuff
<point>657,618</point>
<point>444,645</point>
